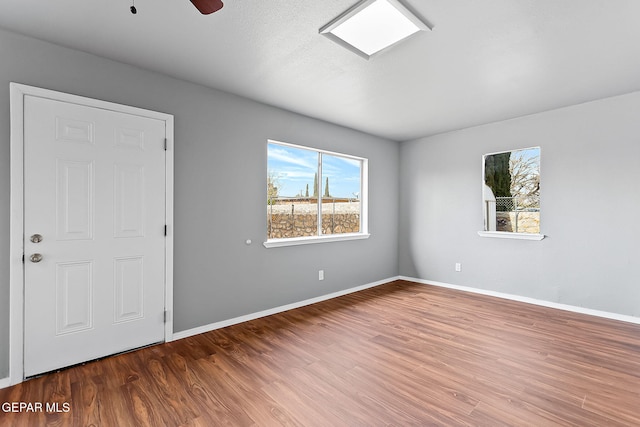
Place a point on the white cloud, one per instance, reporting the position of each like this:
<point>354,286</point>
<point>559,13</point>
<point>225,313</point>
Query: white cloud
<point>284,155</point>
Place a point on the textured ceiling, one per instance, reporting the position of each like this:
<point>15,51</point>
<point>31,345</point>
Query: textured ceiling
<point>484,61</point>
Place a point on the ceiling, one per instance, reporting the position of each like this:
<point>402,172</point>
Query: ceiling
<point>484,61</point>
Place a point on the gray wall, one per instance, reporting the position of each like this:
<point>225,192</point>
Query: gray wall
<point>220,178</point>
<point>590,201</point>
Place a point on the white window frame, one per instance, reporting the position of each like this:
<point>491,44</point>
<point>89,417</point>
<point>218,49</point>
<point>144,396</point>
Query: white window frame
<point>507,234</point>
<point>324,238</point>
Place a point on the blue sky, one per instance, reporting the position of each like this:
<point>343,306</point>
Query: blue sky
<point>294,168</point>
<point>527,153</point>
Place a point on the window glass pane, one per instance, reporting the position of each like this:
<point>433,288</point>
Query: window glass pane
<point>511,191</point>
<point>292,209</point>
<point>341,187</point>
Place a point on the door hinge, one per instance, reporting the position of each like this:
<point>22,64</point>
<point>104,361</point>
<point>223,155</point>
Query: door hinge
<point>165,230</point>
<point>23,258</point>
<point>166,314</point>
<point>166,144</point>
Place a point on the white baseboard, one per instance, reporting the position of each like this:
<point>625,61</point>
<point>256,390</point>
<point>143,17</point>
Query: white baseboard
<point>269,312</point>
<point>5,382</point>
<point>565,307</point>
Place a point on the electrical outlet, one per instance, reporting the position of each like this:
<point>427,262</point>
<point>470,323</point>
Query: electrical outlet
<point>458,266</point>
<point>320,274</point>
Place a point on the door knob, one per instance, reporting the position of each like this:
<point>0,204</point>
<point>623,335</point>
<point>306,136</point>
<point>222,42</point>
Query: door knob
<point>36,238</point>
<point>36,258</point>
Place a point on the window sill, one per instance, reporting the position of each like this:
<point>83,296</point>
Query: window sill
<point>296,241</point>
<point>508,235</point>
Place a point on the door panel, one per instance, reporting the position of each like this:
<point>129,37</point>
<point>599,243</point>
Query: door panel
<point>129,200</point>
<point>74,291</point>
<point>129,289</point>
<point>95,190</point>
<point>74,199</point>
<point>74,130</point>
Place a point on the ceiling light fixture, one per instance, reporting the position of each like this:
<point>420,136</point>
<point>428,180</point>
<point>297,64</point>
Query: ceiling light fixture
<point>372,26</point>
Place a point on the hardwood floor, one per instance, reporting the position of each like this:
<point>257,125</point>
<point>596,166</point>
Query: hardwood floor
<point>399,354</point>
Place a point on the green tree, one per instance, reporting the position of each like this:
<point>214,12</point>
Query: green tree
<point>315,185</point>
<point>326,189</point>
<point>306,194</point>
<point>497,175</point>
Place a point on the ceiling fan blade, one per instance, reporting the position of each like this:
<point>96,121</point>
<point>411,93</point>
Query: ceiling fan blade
<point>207,6</point>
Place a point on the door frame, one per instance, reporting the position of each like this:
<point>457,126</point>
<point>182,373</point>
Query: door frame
<point>16,244</point>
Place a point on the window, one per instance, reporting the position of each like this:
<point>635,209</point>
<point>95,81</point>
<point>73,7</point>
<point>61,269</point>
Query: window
<point>314,195</point>
<point>511,194</point>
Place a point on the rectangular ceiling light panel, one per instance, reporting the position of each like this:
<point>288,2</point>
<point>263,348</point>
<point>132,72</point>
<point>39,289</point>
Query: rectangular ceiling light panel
<point>372,26</point>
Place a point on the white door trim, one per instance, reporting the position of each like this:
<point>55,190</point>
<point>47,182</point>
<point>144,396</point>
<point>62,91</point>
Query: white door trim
<point>16,244</point>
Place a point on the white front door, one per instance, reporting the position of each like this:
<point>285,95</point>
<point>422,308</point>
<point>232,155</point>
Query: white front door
<point>94,233</point>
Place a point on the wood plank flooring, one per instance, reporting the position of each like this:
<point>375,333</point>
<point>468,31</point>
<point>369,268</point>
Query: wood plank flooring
<point>401,354</point>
